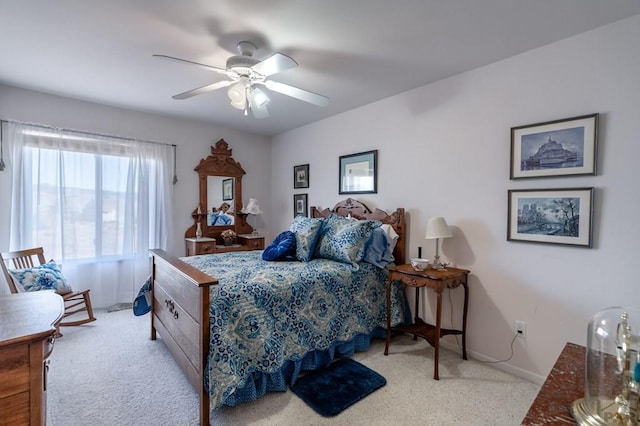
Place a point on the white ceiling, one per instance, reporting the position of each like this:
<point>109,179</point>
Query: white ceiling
<point>353,51</point>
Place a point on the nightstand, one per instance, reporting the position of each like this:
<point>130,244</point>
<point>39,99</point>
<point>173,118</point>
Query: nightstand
<point>437,280</point>
<point>202,245</point>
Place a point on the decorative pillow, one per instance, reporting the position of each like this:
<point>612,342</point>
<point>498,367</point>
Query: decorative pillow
<point>142,302</point>
<point>282,248</point>
<point>307,231</point>
<point>376,251</point>
<point>392,237</point>
<point>343,240</point>
<point>41,277</point>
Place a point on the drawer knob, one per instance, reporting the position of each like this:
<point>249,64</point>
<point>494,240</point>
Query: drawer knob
<point>175,314</point>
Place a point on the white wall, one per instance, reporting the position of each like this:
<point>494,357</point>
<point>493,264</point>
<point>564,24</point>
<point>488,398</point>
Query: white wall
<point>193,140</point>
<point>444,149</point>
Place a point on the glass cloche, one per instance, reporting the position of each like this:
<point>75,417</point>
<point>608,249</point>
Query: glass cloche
<point>612,370</point>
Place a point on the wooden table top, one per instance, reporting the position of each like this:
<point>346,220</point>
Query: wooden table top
<point>30,314</point>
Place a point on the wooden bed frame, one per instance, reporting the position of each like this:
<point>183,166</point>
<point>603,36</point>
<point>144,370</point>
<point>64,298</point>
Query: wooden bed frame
<point>180,294</point>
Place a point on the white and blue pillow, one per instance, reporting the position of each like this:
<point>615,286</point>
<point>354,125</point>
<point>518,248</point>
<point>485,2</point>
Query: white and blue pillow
<point>344,240</point>
<point>307,232</point>
<point>42,277</point>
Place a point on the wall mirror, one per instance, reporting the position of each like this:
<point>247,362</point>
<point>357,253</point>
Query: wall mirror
<point>220,180</point>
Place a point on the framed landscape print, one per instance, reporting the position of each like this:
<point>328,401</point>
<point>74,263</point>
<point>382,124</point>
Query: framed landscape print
<point>553,216</point>
<point>227,189</point>
<point>358,173</point>
<point>300,205</point>
<point>301,176</point>
<point>564,147</point>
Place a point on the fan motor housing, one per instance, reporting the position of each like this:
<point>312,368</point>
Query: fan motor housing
<point>241,64</point>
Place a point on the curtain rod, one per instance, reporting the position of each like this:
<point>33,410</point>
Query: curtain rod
<point>61,129</point>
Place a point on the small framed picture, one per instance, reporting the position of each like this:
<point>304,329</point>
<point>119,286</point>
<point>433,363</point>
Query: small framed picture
<point>564,147</point>
<point>357,173</point>
<point>301,176</point>
<point>553,216</point>
<point>300,205</point>
<point>227,189</point>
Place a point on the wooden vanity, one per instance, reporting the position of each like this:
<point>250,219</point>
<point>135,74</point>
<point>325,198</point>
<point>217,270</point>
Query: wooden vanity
<point>220,181</point>
<point>27,335</point>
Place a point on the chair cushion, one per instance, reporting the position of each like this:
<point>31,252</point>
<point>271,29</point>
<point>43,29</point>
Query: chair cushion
<point>282,248</point>
<point>42,277</point>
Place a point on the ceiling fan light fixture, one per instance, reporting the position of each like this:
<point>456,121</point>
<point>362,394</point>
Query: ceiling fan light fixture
<point>258,98</point>
<point>237,95</point>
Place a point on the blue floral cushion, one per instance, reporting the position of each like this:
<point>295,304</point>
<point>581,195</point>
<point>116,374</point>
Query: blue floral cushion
<point>307,231</point>
<point>344,240</point>
<point>282,248</point>
<point>41,277</point>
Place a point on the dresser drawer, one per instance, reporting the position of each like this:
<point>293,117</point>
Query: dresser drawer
<point>205,248</point>
<point>14,371</point>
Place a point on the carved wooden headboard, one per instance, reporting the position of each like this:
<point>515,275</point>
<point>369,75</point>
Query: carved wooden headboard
<point>358,210</point>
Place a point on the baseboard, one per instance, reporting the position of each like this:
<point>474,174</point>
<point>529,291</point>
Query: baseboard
<point>502,366</point>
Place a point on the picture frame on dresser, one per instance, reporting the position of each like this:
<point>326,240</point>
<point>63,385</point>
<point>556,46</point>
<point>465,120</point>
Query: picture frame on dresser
<point>565,147</point>
<point>358,173</point>
<point>551,216</point>
<point>301,176</point>
<point>300,205</point>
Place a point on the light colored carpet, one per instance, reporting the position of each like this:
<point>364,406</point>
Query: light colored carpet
<point>109,373</point>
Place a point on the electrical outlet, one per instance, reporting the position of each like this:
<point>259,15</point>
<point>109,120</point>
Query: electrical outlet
<point>521,328</point>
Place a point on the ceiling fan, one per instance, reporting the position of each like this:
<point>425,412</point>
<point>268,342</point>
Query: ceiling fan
<point>246,74</point>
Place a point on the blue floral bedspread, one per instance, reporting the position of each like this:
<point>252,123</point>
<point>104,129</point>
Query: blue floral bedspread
<point>264,315</point>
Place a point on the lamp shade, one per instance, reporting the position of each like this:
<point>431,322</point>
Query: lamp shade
<point>237,95</point>
<point>252,207</point>
<point>437,228</point>
<point>258,98</point>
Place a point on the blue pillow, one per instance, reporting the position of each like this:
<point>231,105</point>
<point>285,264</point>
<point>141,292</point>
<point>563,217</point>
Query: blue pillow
<point>282,248</point>
<point>376,251</point>
<point>343,240</point>
<point>41,277</point>
<point>307,231</point>
<point>142,302</point>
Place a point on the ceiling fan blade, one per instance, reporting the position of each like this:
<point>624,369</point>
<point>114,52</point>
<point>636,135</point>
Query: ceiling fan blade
<point>204,89</point>
<point>294,92</point>
<point>275,63</point>
<point>207,67</point>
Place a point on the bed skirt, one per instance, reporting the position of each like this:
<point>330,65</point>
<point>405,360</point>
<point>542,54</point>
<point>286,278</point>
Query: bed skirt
<point>260,383</point>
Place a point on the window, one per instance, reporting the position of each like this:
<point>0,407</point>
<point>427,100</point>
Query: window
<point>91,199</point>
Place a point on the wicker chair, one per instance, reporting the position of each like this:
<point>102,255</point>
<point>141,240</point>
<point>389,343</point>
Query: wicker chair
<point>75,302</point>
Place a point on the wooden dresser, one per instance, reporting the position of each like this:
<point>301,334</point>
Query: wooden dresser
<point>27,334</point>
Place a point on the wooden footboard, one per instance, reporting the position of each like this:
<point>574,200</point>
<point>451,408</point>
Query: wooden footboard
<point>180,313</point>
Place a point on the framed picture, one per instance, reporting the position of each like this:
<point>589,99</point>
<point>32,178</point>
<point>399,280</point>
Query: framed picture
<point>227,189</point>
<point>554,216</point>
<point>358,173</point>
<point>564,147</point>
<point>300,205</point>
<point>301,176</point>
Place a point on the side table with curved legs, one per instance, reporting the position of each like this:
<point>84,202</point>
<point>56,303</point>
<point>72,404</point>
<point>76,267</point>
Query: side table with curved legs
<point>437,280</point>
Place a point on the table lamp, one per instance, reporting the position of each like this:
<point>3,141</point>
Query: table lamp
<point>252,208</point>
<point>437,228</point>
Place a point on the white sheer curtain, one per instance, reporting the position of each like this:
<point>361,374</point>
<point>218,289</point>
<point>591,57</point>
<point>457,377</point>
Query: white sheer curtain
<point>96,204</point>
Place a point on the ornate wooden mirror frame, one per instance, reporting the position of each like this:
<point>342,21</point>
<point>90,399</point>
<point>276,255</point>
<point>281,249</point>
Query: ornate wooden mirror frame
<point>221,164</point>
